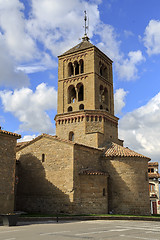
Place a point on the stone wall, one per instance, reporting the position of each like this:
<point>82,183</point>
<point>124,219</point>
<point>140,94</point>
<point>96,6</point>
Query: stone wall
<point>45,185</point>
<point>7,172</point>
<point>91,128</point>
<point>128,185</point>
<point>90,191</point>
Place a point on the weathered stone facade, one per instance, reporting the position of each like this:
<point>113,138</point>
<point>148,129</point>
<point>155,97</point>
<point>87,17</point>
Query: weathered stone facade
<point>84,168</point>
<point>8,142</point>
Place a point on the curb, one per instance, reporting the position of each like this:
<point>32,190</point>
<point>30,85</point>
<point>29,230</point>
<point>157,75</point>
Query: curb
<point>84,218</point>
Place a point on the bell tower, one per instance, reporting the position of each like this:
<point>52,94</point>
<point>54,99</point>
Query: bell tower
<point>85,96</point>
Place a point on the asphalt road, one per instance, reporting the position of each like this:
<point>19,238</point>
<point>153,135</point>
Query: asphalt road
<point>97,230</point>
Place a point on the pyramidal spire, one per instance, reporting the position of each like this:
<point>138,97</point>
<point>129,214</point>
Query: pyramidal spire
<point>85,38</point>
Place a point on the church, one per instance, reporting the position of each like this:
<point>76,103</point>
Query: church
<point>84,168</point>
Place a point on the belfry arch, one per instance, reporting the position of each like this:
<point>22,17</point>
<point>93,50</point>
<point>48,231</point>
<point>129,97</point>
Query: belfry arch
<point>71,94</point>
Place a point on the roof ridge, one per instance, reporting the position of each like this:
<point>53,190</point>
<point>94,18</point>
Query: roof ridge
<point>10,133</point>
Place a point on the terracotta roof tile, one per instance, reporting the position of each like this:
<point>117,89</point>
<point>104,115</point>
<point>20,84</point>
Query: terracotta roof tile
<point>10,133</point>
<point>152,164</point>
<point>153,175</point>
<point>115,150</point>
<point>92,172</point>
<point>81,46</point>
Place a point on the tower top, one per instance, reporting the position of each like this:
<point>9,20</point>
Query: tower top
<point>85,38</point>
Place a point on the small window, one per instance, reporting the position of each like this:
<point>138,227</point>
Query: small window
<point>81,66</point>
<point>43,157</point>
<point>91,118</point>
<point>101,107</point>
<point>152,170</point>
<point>100,119</point>
<point>76,65</point>
<point>81,107</point>
<point>96,118</point>
<point>104,192</point>
<point>70,109</point>
<point>71,136</point>
<point>87,118</point>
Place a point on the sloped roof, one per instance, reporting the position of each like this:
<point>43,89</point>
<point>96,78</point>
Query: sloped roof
<point>153,175</point>
<point>22,145</point>
<point>9,133</point>
<point>152,164</point>
<point>115,150</point>
<point>81,46</point>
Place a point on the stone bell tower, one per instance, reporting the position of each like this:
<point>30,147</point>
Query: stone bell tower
<point>85,96</point>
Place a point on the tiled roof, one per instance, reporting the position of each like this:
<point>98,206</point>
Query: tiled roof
<point>115,150</point>
<point>10,133</point>
<point>153,175</point>
<point>81,46</point>
<point>150,164</point>
<point>92,172</point>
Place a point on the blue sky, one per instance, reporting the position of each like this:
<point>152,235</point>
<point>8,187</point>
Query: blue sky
<point>34,32</point>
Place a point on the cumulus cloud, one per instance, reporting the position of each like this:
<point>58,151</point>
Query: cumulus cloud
<point>30,107</point>
<point>152,37</point>
<point>110,45</point>
<point>141,130</point>
<point>13,25</point>
<point>34,42</point>
<point>9,75</point>
<point>59,33</point>
<point>127,68</point>
<point>119,100</point>
<point>27,138</point>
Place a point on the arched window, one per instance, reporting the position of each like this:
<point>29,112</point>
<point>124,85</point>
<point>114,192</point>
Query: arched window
<point>105,72</point>
<point>81,107</point>
<point>71,136</point>
<point>70,109</point>
<point>80,89</point>
<point>70,69</point>
<point>101,70</point>
<point>71,94</point>
<point>106,96</point>
<point>76,65</point>
<point>81,66</point>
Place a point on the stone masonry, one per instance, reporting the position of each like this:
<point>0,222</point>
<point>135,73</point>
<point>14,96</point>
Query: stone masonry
<point>84,169</point>
<point>8,142</point>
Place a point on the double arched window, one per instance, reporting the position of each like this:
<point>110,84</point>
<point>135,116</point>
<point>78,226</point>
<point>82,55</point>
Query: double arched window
<point>75,93</point>
<point>75,68</point>
<point>102,70</point>
<point>103,96</point>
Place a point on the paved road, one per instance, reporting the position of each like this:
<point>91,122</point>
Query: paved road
<point>96,230</point>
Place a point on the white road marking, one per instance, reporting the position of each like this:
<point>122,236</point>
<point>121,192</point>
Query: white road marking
<point>10,239</point>
<point>138,237</point>
<point>113,230</point>
<point>52,233</point>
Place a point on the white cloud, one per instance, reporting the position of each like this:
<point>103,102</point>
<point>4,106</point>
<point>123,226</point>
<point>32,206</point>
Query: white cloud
<point>141,129</point>
<point>27,138</point>
<point>128,33</point>
<point>127,68</point>
<point>119,100</point>
<point>63,25</point>
<point>110,45</point>
<point>152,37</point>
<point>30,107</point>
<point>13,25</point>
<point>9,75</point>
